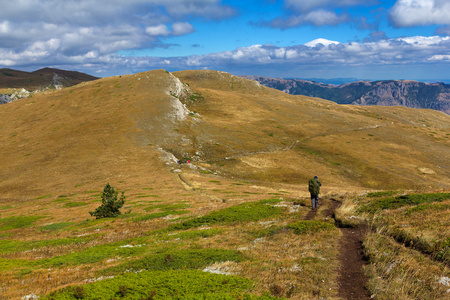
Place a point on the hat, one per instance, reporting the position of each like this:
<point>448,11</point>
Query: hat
<point>316,177</point>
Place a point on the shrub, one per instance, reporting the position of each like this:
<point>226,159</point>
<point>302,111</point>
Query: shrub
<point>110,204</point>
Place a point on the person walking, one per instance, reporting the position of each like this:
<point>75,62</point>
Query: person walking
<point>314,189</point>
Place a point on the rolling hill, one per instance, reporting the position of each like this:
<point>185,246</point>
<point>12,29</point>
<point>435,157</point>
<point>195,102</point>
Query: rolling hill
<point>224,124</point>
<point>41,79</point>
<point>245,143</point>
<point>387,93</point>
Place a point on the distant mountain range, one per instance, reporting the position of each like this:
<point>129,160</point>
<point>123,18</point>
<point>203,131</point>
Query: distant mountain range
<point>42,78</point>
<point>20,84</point>
<point>407,93</point>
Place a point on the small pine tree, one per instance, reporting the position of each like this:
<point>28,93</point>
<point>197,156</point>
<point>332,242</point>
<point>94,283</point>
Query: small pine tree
<point>110,204</point>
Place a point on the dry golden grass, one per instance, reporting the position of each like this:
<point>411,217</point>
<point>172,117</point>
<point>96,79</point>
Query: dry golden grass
<point>401,273</point>
<point>245,143</point>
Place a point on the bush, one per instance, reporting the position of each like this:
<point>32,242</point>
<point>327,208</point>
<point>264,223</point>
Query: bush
<point>110,204</point>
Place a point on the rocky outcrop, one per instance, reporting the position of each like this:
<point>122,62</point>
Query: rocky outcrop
<point>408,93</point>
<point>16,94</point>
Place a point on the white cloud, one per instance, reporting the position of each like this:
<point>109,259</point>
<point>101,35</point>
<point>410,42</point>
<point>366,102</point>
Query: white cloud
<point>400,51</point>
<point>316,18</point>
<point>440,58</point>
<point>158,30</point>
<point>103,26</point>
<point>407,13</point>
<point>308,5</point>
<point>323,17</point>
<point>324,42</point>
<point>5,27</point>
<point>182,28</point>
<point>317,13</point>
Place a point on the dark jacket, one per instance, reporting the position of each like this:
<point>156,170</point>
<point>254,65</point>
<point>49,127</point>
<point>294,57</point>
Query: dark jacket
<point>314,186</point>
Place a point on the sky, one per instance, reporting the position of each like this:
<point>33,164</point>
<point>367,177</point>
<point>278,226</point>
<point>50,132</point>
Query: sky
<point>363,39</point>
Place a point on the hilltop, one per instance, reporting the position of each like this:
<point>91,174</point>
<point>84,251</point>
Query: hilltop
<point>386,93</point>
<point>226,125</point>
<point>238,207</point>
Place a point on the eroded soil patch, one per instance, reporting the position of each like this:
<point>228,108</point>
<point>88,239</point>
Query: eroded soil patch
<point>351,279</point>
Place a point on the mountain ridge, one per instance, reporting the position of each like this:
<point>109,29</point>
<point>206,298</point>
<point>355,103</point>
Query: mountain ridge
<point>409,93</point>
<point>229,125</point>
<point>16,84</point>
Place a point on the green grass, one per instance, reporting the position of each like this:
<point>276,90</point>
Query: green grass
<point>194,234</point>
<point>14,264</point>
<point>94,254</point>
<point>6,207</point>
<point>425,207</point>
<point>13,246</point>
<point>43,197</point>
<point>56,226</point>
<point>403,200</point>
<point>381,194</point>
<point>75,204</point>
<point>244,212</point>
<point>310,226</point>
<point>168,207</point>
<point>159,215</point>
<point>147,196</point>
<point>178,259</point>
<point>185,284</point>
<point>18,222</point>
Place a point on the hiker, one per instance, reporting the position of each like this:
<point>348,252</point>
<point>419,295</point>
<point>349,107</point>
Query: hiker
<point>314,189</point>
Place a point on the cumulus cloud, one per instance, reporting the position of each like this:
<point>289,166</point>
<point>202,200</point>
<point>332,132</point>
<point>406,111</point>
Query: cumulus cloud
<point>75,29</point>
<point>318,13</point>
<point>408,13</point>
<point>182,28</point>
<point>316,18</point>
<point>324,52</point>
<point>158,30</point>
<point>316,55</point>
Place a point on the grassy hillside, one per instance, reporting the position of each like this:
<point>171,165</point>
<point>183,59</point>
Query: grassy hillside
<point>41,79</point>
<point>251,151</point>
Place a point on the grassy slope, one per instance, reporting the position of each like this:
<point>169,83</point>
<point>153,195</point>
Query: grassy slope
<point>60,149</point>
<point>348,146</point>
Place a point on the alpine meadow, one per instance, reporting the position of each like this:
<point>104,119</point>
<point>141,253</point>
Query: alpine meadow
<point>212,173</point>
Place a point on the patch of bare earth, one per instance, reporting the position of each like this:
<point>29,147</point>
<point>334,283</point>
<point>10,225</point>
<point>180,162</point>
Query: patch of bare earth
<point>351,279</point>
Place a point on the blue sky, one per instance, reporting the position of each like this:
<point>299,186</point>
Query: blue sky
<point>364,39</point>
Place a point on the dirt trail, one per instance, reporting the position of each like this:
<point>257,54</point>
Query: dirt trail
<point>351,278</point>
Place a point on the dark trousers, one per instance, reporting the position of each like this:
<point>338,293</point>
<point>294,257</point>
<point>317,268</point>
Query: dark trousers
<point>315,201</point>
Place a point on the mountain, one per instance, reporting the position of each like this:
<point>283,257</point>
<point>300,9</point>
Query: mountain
<point>41,79</point>
<point>387,93</point>
<point>238,208</point>
<point>227,125</point>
